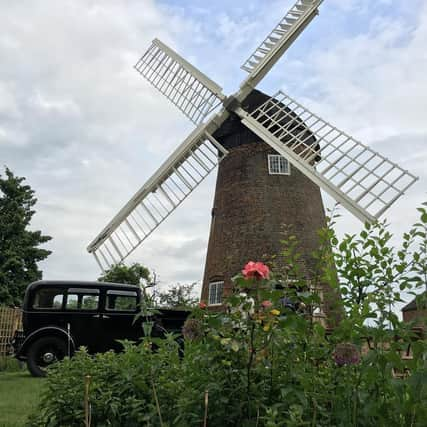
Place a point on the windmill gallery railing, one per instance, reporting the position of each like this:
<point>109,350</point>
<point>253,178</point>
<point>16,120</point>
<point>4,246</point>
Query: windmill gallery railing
<point>10,322</point>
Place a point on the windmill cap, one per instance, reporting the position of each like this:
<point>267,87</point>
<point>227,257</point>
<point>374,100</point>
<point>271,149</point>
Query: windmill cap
<point>234,133</point>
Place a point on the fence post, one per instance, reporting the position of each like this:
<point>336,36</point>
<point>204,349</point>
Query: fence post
<point>86,401</point>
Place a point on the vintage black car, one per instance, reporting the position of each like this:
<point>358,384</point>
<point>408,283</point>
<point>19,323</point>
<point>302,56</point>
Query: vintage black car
<point>61,316</point>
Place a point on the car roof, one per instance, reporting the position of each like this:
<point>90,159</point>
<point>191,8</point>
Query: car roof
<point>79,283</point>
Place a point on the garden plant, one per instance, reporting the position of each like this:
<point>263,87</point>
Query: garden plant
<point>266,360</point>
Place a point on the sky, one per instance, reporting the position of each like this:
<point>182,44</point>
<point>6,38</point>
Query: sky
<point>87,130</point>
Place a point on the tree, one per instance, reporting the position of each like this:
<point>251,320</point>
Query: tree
<point>136,274</point>
<point>179,296</point>
<point>19,247</point>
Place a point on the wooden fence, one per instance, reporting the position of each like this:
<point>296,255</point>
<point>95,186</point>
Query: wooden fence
<point>10,321</point>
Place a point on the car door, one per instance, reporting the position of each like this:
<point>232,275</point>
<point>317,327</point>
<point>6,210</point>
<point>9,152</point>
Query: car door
<point>82,316</point>
<point>45,309</point>
<point>118,317</point>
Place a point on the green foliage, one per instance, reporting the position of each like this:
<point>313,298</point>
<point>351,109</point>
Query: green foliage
<point>265,362</point>
<point>136,274</point>
<point>122,386</point>
<point>178,296</point>
<point>19,247</point>
<point>10,364</point>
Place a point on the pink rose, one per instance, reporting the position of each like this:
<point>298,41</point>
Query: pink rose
<point>256,269</point>
<point>202,305</point>
<point>266,304</point>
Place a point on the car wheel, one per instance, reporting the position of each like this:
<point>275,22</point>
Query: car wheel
<point>44,352</point>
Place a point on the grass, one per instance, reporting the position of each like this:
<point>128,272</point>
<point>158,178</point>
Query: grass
<point>19,394</point>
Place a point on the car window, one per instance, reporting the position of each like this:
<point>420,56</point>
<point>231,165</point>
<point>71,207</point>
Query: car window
<point>121,300</point>
<point>90,302</point>
<point>48,299</point>
<point>72,302</point>
<point>82,299</point>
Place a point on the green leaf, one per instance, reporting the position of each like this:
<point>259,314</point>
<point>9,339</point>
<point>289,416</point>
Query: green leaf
<point>235,346</point>
<point>225,341</point>
<point>147,327</point>
<point>343,246</point>
<point>400,268</point>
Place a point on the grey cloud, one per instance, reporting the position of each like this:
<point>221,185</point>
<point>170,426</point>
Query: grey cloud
<point>87,131</point>
<point>76,119</point>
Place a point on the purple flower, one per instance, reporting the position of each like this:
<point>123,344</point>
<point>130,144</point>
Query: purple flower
<point>346,354</point>
<point>192,330</point>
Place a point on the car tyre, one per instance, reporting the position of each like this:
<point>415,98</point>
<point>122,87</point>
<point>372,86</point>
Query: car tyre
<point>44,352</point>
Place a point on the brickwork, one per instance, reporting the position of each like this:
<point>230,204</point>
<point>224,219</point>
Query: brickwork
<point>419,315</point>
<point>250,210</point>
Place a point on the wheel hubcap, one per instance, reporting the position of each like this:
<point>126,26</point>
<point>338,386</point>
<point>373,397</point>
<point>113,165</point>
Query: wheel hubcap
<point>48,357</point>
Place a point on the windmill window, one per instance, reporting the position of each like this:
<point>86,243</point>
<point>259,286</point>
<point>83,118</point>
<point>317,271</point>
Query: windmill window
<point>215,293</point>
<point>278,165</point>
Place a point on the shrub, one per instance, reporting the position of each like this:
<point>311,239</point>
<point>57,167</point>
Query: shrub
<point>265,362</point>
<point>10,364</point>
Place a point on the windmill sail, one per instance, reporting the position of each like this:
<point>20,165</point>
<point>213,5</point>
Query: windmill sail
<point>185,86</point>
<point>282,36</point>
<point>362,180</point>
<point>179,175</point>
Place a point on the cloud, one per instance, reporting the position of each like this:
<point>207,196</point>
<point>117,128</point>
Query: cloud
<point>76,119</point>
<point>87,131</point>
<point>373,84</point>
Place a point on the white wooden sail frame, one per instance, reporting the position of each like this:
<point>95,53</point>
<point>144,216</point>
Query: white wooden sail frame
<point>173,182</point>
<point>184,85</point>
<point>362,180</point>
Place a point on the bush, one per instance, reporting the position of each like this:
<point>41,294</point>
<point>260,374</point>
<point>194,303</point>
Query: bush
<point>265,362</point>
<point>9,364</point>
<point>121,390</point>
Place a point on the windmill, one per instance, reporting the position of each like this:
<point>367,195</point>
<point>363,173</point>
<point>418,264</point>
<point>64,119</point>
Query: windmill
<point>273,144</point>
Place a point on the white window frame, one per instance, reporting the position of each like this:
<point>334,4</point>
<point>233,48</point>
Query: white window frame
<point>215,290</point>
<point>278,165</point>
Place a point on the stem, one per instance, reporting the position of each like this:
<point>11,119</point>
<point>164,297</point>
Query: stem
<point>313,422</point>
<point>205,419</point>
<point>156,400</point>
<point>86,401</point>
<point>413,418</point>
<point>249,368</point>
<point>271,367</point>
<point>356,399</point>
<point>335,384</point>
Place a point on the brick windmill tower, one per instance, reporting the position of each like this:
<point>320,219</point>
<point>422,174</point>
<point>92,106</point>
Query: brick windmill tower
<point>257,193</point>
<point>274,157</point>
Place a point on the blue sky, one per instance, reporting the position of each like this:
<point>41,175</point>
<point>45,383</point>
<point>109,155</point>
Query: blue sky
<point>87,130</point>
<point>338,19</point>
